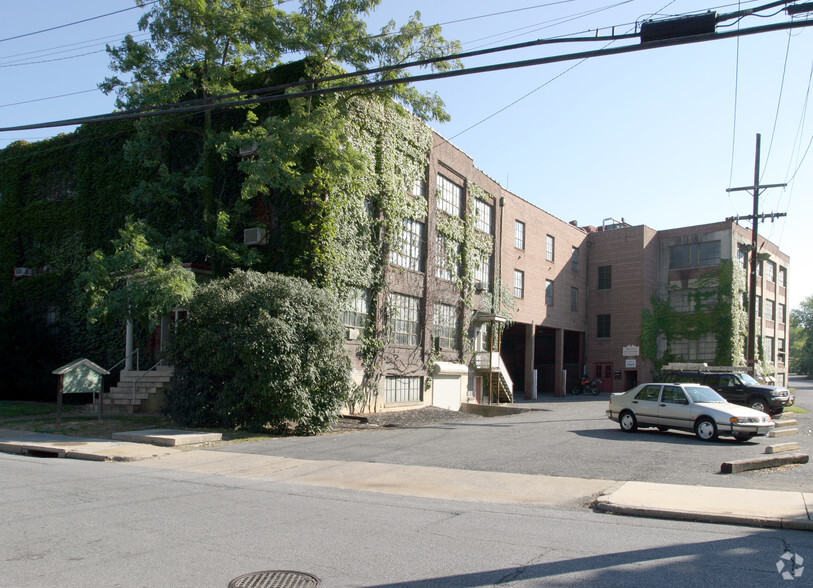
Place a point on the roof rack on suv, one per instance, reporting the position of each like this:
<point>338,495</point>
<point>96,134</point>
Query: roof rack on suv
<point>703,367</point>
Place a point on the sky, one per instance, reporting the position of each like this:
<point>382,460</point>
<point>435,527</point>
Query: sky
<point>655,137</point>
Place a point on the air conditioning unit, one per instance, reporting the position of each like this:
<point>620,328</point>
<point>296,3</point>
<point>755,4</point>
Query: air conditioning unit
<point>480,286</point>
<point>254,236</point>
<point>352,334</point>
<point>23,272</point>
<point>248,149</point>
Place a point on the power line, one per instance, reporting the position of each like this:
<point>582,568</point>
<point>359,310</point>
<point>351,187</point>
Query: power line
<point>169,110</point>
<point>84,20</point>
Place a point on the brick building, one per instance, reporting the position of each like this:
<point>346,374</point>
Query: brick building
<point>580,296</point>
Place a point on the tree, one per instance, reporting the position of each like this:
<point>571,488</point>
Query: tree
<point>260,352</point>
<point>139,280</point>
<point>801,337</point>
<point>200,49</point>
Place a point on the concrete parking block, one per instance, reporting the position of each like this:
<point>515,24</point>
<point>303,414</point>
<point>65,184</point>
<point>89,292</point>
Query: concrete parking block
<point>759,463</point>
<point>789,432</point>
<point>780,447</point>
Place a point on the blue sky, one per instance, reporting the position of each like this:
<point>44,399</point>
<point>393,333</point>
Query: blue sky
<point>655,137</point>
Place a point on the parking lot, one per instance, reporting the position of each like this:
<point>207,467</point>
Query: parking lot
<point>562,437</point>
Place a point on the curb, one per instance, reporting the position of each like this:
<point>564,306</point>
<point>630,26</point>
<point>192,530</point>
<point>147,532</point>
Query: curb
<point>680,515</point>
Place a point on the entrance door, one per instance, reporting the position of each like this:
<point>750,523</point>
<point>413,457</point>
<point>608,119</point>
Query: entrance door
<point>604,372</point>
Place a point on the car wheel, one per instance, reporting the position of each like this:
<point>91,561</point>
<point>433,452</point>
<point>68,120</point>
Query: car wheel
<point>744,436</point>
<point>628,422</point>
<point>705,429</point>
<point>759,404</point>
<point>663,429</point>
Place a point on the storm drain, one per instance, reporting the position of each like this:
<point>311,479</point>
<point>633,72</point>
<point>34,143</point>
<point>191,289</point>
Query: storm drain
<point>275,579</point>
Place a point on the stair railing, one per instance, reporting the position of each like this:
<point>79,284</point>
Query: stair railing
<point>123,359</point>
<point>137,380</point>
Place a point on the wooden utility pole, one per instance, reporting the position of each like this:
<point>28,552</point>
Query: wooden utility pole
<point>752,281</point>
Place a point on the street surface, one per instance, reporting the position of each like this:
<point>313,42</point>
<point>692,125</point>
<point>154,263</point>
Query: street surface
<point>79,523</point>
<point>567,437</point>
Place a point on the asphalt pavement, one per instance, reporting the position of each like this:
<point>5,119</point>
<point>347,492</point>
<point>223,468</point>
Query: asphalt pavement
<point>563,453</point>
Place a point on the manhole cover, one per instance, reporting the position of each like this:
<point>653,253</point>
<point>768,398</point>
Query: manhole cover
<point>275,579</point>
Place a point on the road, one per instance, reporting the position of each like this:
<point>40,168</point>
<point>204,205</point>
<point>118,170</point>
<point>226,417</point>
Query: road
<point>76,523</point>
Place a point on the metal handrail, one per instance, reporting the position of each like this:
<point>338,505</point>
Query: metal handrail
<point>137,380</point>
<point>122,360</point>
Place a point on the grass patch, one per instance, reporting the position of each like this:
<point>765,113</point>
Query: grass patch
<point>10,409</point>
<point>41,418</point>
<point>795,409</point>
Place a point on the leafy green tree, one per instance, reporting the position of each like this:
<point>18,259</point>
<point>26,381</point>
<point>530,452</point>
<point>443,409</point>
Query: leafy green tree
<point>260,352</point>
<point>138,280</point>
<point>801,337</point>
<point>204,48</point>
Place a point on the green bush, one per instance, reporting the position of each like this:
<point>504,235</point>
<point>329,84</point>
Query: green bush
<point>260,352</point>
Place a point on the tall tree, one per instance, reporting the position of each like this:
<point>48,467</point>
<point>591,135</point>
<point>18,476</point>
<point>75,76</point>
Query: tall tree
<point>206,48</point>
<point>801,337</point>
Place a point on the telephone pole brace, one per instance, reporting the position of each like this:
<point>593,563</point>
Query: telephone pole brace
<point>752,282</point>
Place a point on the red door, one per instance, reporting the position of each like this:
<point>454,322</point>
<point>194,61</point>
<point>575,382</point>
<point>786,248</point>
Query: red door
<point>604,372</point>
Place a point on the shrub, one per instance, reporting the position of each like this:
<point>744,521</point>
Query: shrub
<point>260,352</point>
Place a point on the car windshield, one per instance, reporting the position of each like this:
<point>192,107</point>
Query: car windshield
<point>703,394</point>
<point>747,380</point>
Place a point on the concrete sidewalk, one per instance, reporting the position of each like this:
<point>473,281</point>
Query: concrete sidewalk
<point>760,508</point>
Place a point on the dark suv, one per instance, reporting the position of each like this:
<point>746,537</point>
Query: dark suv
<point>739,388</point>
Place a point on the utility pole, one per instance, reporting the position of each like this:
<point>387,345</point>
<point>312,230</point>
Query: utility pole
<point>752,282</point>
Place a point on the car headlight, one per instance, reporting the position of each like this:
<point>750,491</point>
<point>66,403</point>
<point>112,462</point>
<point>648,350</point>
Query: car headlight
<point>779,392</point>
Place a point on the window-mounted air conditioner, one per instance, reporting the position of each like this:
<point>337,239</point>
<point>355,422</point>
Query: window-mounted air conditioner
<point>352,334</point>
<point>23,272</point>
<point>254,236</point>
<point>248,149</point>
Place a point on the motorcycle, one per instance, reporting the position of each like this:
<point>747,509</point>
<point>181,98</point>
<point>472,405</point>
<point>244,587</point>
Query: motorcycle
<point>585,384</point>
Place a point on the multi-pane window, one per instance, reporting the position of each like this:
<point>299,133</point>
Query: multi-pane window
<point>357,308</point>
<point>781,313</point>
<point>605,277</point>
<point>781,351</point>
<point>484,213</point>
<point>407,250</point>
<point>694,255</point>
<point>402,389</point>
<point>404,318</point>
<point>449,196</point>
<point>702,349</point>
<point>770,348</point>
<point>550,244</point>
<point>446,326</point>
<point>519,283</point>
<point>771,310</point>
<point>783,276</point>
<point>759,306</point>
<point>574,259</point>
<point>482,273</point>
<point>574,299</point>
<point>447,257</point>
<point>419,187</point>
<point>692,299</point>
<point>742,257</point>
<point>548,292</point>
<point>519,234</point>
<point>603,326</point>
<point>770,271</point>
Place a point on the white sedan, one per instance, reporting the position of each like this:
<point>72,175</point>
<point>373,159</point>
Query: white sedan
<point>686,407</point>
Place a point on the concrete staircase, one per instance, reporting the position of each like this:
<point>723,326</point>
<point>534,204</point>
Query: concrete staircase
<point>137,391</point>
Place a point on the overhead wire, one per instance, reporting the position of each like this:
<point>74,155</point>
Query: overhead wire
<point>84,20</point>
